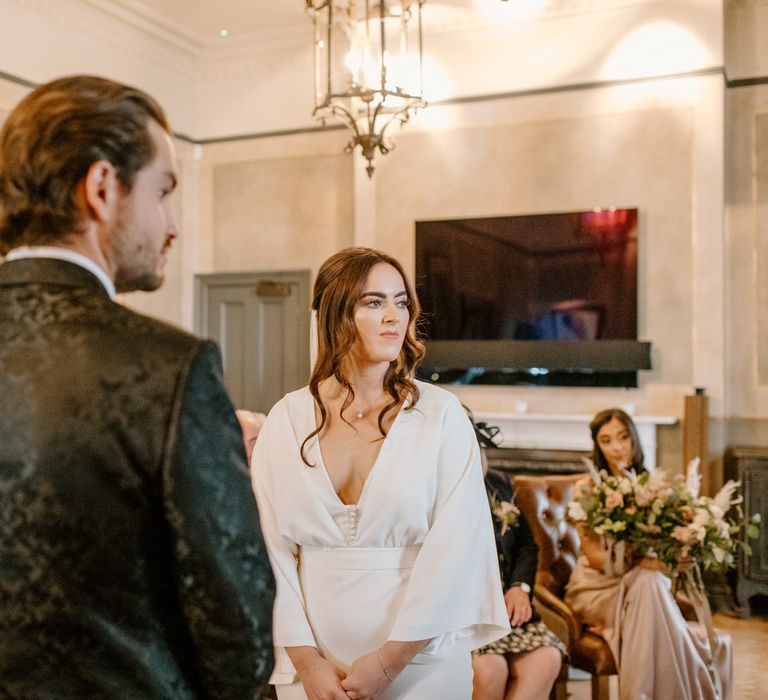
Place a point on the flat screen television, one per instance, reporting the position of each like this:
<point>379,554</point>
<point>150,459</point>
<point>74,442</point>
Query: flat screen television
<point>533,299</point>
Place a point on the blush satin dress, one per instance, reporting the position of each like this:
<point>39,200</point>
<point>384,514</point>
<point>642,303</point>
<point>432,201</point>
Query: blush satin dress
<point>658,653</point>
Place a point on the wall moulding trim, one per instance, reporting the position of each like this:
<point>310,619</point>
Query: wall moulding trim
<point>262,134</point>
<point>469,99</point>
<point>465,99</point>
<point>574,87</point>
<point>744,4</point>
<point>747,82</point>
<point>17,80</point>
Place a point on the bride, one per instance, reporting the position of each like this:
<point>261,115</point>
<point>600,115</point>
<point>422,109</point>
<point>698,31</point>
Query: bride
<point>373,507</point>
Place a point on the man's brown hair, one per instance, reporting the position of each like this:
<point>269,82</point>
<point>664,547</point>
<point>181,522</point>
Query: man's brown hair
<point>52,138</point>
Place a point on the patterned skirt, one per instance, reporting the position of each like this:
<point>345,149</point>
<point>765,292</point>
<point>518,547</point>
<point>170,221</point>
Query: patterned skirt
<point>524,638</point>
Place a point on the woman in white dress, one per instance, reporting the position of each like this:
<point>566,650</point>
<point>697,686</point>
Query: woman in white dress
<point>658,654</point>
<point>373,507</point>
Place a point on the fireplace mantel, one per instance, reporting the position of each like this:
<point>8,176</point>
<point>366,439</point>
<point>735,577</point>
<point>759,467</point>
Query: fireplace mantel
<point>565,431</point>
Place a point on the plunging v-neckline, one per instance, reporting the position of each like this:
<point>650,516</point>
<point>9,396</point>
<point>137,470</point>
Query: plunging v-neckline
<point>323,466</point>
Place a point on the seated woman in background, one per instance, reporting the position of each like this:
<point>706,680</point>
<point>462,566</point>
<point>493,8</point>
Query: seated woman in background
<point>525,664</point>
<point>658,654</point>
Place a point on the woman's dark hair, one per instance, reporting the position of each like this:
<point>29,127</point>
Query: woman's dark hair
<point>339,286</point>
<point>606,416</point>
<point>52,138</point>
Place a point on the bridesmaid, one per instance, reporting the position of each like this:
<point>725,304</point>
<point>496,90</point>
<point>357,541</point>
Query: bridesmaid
<point>658,654</point>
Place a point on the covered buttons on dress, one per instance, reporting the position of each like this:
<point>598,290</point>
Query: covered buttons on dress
<point>353,516</point>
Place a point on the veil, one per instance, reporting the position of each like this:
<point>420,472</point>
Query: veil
<point>313,341</point>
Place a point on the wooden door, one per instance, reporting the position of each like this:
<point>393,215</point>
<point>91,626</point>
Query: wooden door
<point>261,322</point>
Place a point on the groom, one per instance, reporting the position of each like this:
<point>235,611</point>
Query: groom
<point>131,560</point>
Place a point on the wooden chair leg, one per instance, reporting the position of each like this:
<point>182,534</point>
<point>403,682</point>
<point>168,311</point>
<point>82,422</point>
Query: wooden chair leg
<point>601,688</point>
<point>559,690</point>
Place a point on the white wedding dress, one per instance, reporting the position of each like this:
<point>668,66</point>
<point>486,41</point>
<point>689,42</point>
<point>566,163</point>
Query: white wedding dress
<point>414,559</point>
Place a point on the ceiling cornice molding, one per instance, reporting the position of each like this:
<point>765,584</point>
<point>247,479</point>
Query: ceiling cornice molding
<point>279,39</point>
<point>256,64</point>
<point>207,53</point>
<point>143,18</point>
<point>179,49</point>
<point>253,54</point>
<point>293,37</point>
<point>96,18</point>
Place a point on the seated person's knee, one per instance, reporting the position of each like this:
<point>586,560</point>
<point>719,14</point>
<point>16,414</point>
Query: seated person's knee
<point>491,670</point>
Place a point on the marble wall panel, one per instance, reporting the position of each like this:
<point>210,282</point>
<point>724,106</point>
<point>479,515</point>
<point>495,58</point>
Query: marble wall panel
<point>281,213</point>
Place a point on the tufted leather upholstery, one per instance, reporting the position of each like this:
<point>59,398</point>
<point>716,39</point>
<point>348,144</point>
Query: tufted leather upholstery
<point>544,501</point>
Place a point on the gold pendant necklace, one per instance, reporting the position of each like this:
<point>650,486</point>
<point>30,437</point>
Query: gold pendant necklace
<point>360,412</point>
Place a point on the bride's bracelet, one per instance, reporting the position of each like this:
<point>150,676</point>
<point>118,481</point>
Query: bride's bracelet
<point>383,667</point>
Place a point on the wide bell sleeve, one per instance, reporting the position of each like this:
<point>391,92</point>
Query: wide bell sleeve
<point>454,595</point>
<point>290,624</point>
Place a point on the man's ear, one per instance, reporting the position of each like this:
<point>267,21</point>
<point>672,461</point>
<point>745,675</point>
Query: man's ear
<point>102,191</point>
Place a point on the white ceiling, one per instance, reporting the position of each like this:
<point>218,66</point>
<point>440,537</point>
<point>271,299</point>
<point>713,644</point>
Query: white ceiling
<point>240,17</point>
<point>202,20</point>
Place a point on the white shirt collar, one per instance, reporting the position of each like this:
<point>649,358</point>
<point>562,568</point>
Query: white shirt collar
<point>57,253</point>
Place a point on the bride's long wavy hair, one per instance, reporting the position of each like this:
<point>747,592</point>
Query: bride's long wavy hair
<point>339,286</point>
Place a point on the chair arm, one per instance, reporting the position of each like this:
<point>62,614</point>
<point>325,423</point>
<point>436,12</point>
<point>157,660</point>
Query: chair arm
<point>557,616</point>
<point>687,608</point>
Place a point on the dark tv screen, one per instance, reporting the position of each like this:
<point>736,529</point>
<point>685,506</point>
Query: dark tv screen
<point>553,277</point>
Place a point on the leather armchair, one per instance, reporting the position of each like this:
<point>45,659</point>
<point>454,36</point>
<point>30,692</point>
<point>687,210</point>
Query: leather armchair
<point>543,502</point>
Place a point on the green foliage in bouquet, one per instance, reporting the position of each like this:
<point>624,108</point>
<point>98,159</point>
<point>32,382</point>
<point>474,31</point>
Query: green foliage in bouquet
<point>701,528</point>
<point>607,507</point>
<point>665,516</point>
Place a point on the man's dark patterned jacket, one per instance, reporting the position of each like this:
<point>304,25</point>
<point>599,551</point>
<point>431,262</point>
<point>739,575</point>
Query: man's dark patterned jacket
<point>131,558</point>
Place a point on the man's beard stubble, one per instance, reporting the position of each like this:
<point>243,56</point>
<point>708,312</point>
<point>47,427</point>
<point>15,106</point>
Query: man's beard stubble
<point>136,267</point>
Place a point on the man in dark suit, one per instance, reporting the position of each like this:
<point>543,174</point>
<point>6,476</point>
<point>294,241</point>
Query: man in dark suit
<point>131,558</point>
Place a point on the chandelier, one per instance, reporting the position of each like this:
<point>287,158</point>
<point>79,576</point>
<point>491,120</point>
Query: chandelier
<point>368,67</point>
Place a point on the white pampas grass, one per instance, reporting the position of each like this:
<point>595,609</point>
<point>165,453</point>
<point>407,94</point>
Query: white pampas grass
<point>693,477</point>
<point>590,465</point>
<point>725,496</point>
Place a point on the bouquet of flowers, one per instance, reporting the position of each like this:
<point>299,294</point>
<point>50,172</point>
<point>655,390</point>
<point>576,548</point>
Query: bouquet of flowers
<point>699,529</point>
<point>619,508</point>
<point>666,517</point>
